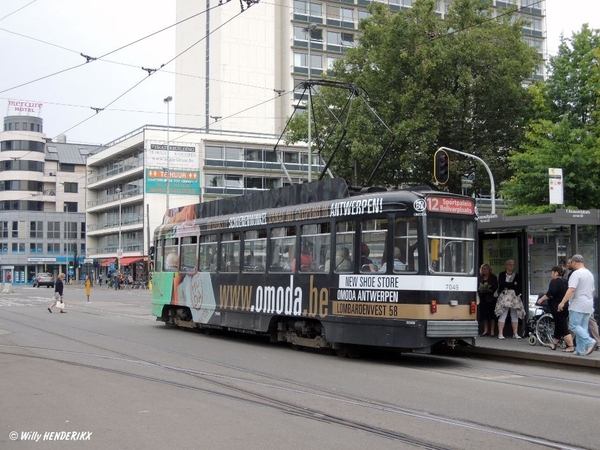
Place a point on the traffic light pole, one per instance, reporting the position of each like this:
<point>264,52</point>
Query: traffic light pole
<point>493,188</point>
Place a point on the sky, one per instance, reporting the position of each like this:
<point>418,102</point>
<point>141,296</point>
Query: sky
<point>39,38</point>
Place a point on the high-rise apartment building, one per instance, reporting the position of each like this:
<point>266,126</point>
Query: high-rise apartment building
<point>232,67</point>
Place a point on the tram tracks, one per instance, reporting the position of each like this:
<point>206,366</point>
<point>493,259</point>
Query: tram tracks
<point>231,386</point>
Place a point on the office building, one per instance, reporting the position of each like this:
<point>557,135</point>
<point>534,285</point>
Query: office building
<point>131,180</point>
<point>42,199</point>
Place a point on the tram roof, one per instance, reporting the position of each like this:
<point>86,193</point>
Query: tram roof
<point>297,194</point>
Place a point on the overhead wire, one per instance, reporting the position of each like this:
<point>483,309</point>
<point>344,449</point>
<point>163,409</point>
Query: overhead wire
<point>91,59</point>
<point>511,11</point>
<point>17,10</point>
<point>156,70</point>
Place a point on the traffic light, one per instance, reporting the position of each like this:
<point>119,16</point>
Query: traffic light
<point>441,164</point>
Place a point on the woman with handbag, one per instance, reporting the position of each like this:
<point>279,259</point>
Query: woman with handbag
<point>509,299</point>
<point>58,294</point>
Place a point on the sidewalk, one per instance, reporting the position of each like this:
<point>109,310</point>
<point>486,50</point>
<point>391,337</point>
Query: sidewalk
<point>520,349</point>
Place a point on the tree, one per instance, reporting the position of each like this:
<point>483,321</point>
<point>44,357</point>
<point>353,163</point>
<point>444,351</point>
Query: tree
<point>455,82</point>
<point>564,132</point>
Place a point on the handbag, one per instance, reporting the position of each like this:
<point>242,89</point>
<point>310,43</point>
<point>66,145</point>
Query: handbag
<point>59,303</point>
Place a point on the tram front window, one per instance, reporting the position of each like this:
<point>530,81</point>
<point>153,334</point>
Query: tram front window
<point>451,246</point>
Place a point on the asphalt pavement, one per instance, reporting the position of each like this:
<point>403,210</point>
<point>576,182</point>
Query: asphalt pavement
<point>137,302</point>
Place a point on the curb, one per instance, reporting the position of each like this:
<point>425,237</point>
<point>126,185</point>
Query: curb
<point>551,357</point>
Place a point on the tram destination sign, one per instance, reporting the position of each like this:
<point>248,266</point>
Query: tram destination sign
<point>450,205</point>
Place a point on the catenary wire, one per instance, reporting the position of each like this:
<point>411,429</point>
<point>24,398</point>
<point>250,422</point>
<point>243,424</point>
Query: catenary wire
<point>17,10</point>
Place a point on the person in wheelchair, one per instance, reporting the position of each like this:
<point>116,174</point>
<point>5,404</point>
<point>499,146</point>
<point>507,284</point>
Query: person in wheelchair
<point>556,291</point>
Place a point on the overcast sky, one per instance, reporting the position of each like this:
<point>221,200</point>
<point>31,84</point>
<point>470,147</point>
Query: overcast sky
<point>48,36</point>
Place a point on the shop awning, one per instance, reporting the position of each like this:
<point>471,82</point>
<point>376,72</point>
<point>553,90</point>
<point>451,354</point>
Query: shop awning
<point>106,262</point>
<point>130,260</point>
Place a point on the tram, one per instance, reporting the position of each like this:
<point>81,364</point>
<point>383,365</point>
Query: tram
<point>323,265</point>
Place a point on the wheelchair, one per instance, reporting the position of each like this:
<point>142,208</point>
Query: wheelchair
<point>540,327</point>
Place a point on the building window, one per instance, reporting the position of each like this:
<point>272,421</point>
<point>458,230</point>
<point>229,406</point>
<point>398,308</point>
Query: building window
<point>233,153</point>
<point>301,59</point>
<point>316,10</point>
<point>53,248</point>
<point>347,39</point>
<point>15,229</point>
<point>73,188</point>
<point>333,12</point>
<point>36,229</point>
<point>82,233</point>
<point>18,247</point>
<point>67,167</point>
<point>212,152</point>
<point>300,7</point>
<point>71,207</point>
<point>254,183</point>
<point>234,181</point>
<point>291,157</point>
<point>252,154</point>
<point>348,14</point>
<point>4,229</point>
<point>70,230</point>
<point>36,247</point>
<point>53,230</point>
<point>334,38</point>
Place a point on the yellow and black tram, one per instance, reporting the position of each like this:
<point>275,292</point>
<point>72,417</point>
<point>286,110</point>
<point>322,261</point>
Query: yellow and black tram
<point>323,265</point>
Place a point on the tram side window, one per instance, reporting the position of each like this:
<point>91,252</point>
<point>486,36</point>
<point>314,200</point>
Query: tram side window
<point>406,242</point>
<point>189,254</point>
<point>230,252</point>
<point>344,248</point>
<point>283,240</point>
<point>255,250</point>
<point>171,259</point>
<point>373,239</point>
<point>315,240</point>
<point>159,256</point>
<point>451,245</point>
<point>208,253</point>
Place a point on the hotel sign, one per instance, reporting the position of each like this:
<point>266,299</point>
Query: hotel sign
<point>25,107</point>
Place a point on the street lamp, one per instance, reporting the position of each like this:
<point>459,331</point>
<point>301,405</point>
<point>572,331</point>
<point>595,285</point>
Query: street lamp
<point>309,29</point>
<point>119,250</point>
<point>167,101</point>
<point>67,228</point>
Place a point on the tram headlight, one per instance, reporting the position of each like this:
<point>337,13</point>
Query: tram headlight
<point>433,306</point>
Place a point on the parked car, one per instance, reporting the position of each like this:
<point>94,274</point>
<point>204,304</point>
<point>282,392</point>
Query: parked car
<point>43,279</point>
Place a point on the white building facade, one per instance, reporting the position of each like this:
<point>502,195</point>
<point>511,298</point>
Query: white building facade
<point>232,67</point>
<point>130,182</point>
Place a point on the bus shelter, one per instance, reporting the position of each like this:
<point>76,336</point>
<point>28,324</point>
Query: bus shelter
<point>539,242</point>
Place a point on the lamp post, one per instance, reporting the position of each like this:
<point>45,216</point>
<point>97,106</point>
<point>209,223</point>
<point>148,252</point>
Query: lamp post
<point>167,101</point>
<point>309,29</point>
<point>119,250</point>
<point>66,209</point>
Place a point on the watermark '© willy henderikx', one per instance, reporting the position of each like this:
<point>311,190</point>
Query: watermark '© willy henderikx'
<point>37,436</point>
